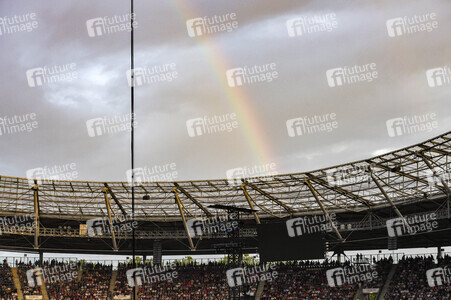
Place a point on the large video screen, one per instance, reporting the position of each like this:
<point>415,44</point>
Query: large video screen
<point>284,241</point>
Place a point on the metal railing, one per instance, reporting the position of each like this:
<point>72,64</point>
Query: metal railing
<point>368,224</point>
<point>139,234</point>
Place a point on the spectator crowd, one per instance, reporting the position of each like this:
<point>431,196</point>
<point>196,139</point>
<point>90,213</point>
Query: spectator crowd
<point>295,280</point>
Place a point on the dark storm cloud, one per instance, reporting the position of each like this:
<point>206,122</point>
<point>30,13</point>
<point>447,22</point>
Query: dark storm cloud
<point>101,90</point>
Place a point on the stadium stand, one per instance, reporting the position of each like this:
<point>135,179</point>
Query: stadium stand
<point>93,283</point>
<point>22,269</point>
<point>410,280</point>
<point>308,281</point>
<point>296,280</point>
<point>193,282</point>
<point>7,289</point>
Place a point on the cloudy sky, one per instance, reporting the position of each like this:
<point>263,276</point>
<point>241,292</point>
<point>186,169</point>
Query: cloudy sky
<point>65,36</point>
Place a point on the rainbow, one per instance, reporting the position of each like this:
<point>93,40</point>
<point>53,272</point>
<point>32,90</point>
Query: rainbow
<point>238,99</point>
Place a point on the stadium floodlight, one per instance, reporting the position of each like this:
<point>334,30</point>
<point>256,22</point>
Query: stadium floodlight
<point>396,168</point>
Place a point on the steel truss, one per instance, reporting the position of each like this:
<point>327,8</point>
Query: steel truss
<point>403,175</point>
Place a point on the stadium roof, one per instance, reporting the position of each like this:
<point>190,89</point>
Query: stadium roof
<point>400,176</point>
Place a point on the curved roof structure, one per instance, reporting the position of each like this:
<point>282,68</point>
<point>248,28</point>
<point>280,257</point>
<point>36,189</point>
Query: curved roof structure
<point>402,176</point>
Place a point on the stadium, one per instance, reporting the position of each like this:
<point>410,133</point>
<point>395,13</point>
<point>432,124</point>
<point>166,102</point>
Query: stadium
<point>324,128</point>
<point>359,200</point>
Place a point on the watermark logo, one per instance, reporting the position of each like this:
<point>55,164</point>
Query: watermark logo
<point>312,124</point>
<point>252,75</point>
<point>410,125</point>
<point>251,274</point>
<point>310,224</point>
<point>211,25</point>
<point>351,275</point>
<point>212,124</point>
<point>111,24</point>
<point>17,224</point>
<point>150,75</point>
<point>438,76</point>
<point>213,225</point>
<point>148,275</point>
<point>110,125</point>
<point>15,24</point>
<point>51,74</point>
<point>102,226</point>
<point>351,74</point>
<point>34,277</point>
<point>17,124</point>
<point>311,24</point>
<point>439,276</point>
<point>166,172</point>
<point>348,175</point>
<point>409,25</point>
<point>255,173</point>
<point>46,174</point>
<point>417,224</point>
<point>55,274</point>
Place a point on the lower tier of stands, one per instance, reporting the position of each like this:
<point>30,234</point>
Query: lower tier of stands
<point>298,280</point>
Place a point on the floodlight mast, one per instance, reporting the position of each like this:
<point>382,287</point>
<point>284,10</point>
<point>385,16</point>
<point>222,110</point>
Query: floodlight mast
<point>132,133</point>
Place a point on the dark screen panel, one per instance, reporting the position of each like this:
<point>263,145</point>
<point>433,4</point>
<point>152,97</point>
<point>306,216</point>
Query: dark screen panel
<point>276,244</point>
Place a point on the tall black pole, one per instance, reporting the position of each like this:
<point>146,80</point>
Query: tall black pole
<point>132,131</point>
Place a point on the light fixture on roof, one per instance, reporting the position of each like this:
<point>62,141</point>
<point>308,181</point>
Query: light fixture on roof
<point>396,168</point>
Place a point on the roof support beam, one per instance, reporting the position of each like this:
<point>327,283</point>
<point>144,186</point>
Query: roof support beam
<point>36,215</point>
<point>108,208</point>
<point>404,174</point>
<point>389,199</point>
<point>338,190</point>
<point>323,208</point>
<point>184,192</point>
<point>435,173</point>
<point>249,201</point>
<point>444,152</point>
<point>269,196</point>
<point>179,204</point>
<point>113,195</point>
